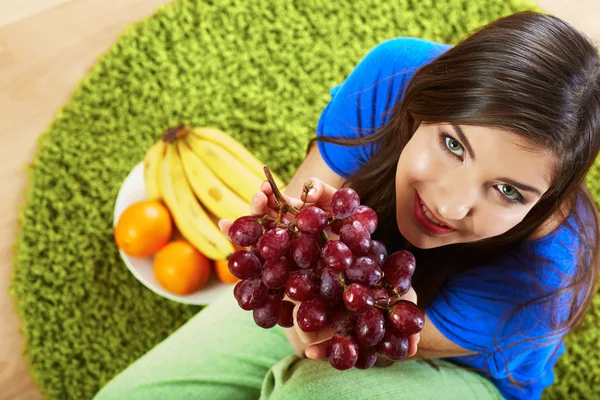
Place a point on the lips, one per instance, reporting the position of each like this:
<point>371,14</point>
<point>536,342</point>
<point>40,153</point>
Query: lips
<point>424,222</point>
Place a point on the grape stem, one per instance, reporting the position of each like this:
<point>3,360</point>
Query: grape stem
<point>307,186</point>
<point>283,205</point>
<point>333,220</point>
<point>383,308</point>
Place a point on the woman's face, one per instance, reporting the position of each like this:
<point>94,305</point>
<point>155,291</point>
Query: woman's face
<point>480,182</point>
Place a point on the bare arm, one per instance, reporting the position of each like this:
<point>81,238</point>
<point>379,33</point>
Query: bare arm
<point>434,344</point>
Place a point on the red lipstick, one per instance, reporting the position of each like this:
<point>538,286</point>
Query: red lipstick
<point>424,222</point>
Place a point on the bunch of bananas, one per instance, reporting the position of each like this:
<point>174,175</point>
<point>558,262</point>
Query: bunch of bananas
<point>203,175</point>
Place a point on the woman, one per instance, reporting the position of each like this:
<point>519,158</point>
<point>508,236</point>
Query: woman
<point>474,158</point>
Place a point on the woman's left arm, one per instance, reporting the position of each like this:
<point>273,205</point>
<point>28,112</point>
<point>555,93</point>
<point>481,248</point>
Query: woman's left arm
<point>431,344</point>
<point>434,344</point>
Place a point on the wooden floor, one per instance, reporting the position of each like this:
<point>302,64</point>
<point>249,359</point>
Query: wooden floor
<point>46,46</point>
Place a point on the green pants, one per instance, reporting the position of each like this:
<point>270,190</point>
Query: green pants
<point>222,354</point>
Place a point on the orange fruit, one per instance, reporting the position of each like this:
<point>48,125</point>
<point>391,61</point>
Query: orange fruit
<point>180,268</point>
<point>143,228</point>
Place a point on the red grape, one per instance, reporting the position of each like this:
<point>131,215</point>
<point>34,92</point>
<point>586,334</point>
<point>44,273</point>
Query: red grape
<point>399,266</point>
<point>365,271</point>
<point>402,287</point>
<point>245,231</point>
<point>312,315</point>
<point>367,357</point>
<point>381,297</point>
<point>406,318</point>
<point>344,203</point>
<point>343,322</point>
<point>275,273</point>
<point>356,237</point>
<point>342,352</point>
<point>393,346</point>
<point>320,267</point>
<point>336,255</point>
<point>378,252</point>
<point>311,220</point>
<point>370,327</point>
<point>358,299</point>
<point>330,287</point>
<point>254,250</point>
<point>274,244</point>
<point>302,285</point>
<point>244,265</point>
<point>267,315</point>
<point>305,251</point>
<point>335,226</point>
<point>286,318</point>
<point>367,217</point>
<point>250,293</point>
<point>269,224</point>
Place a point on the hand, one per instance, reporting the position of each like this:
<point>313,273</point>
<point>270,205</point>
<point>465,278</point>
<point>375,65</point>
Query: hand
<point>300,340</point>
<point>317,350</point>
<point>263,202</point>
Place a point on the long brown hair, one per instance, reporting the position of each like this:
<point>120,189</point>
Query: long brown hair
<point>528,73</point>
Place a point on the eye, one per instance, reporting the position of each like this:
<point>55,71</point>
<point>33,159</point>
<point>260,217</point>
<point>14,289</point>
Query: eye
<point>452,145</point>
<point>509,193</point>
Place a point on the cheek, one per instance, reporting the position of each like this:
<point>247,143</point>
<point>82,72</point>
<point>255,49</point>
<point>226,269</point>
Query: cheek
<point>495,221</point>
<point>417,163</point>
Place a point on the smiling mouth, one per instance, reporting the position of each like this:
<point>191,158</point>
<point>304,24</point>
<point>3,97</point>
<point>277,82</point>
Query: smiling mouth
<point>431,217</point>
<point>426,220</point>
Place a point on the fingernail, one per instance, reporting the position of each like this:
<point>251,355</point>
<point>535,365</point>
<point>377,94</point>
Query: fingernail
<point>309,353</point>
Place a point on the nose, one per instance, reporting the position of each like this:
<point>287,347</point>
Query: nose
<point>457,195</point>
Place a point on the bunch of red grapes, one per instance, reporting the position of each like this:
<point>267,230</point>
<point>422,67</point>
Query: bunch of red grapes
<point>350,283</point>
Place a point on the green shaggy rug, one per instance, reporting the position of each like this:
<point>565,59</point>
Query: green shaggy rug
<point>261,72</point>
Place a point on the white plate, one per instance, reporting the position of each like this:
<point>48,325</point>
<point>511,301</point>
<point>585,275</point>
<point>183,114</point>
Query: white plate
<point>132,191</point>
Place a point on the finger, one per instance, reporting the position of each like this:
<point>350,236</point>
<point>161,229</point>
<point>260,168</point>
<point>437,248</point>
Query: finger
<point>287,298</point>
<point>258,206</point>
<point>411,295</point>
<point>320,194</point>
<point>272,201</point>
<point>266,188</point>
<point>317,351</point>
<point>311,337</point>
<point>413,341</point>
<point>224,225</point>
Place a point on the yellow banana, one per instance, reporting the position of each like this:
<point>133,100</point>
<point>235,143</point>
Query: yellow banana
<point>212,192</point>
<point>228,168</point>
<point>237,150</point>
<point>191,219</point>
<point>152,160</point>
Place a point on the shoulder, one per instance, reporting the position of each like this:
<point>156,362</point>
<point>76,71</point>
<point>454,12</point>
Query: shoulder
<point>553,222</point>
<point>406,51</point>
<point>560,216</point>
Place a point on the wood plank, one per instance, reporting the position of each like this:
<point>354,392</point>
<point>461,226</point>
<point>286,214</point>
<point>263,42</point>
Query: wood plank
<point>42,58</point>
<point>12,11</point>
<point>582,14</point>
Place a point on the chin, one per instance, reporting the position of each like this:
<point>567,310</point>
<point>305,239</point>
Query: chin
<point>414,237</point>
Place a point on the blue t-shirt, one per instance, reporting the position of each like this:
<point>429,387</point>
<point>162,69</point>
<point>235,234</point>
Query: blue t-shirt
<point>470,308</point>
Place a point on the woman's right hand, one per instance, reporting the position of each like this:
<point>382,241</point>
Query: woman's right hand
<point>263,202</point>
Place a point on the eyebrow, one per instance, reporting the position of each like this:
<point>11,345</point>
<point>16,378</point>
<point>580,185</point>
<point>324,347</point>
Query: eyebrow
<point>521,186</point>
<point>463,138</point>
